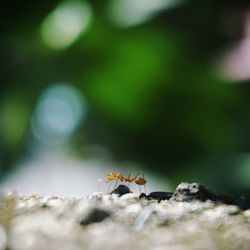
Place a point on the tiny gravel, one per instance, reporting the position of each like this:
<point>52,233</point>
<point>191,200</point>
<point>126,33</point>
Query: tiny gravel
<point>107,221</point>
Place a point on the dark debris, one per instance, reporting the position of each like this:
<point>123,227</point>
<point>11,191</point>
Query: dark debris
<point>189,192</point>
<point>96,215</point>
<point>159,196</point>
<point>121,190</point>
<point>195,191</point>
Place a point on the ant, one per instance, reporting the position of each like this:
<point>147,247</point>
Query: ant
<point>118,177</point>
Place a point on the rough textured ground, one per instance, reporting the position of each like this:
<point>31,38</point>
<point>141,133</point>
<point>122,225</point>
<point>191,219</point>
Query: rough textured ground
<point>127,222</point>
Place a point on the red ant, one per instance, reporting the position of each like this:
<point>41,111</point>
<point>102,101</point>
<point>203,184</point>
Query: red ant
<point>118,177</point>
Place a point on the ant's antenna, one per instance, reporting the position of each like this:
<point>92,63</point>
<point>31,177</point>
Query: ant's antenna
<point>128,180</point>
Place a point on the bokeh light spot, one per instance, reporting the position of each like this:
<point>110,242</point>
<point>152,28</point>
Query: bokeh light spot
<point>128,13</point>
<point>60,110</point>
<point>65,24</point>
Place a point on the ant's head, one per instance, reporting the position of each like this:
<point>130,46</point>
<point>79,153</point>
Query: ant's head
<point>109,177</point>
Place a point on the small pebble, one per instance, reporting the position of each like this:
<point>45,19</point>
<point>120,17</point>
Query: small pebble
<point>194,218</point>
<point>95,215</point>
<point>142,218</point>
<point>159,196</point>
<point>121,190</point>
<point>96,196</point>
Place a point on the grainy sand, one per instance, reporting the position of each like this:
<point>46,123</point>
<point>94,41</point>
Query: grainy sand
<point>127,222</point>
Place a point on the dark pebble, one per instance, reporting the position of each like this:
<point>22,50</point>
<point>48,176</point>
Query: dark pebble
<point>242,202</point>
<point>96,215</point>
<point>121,190</point>
<point>193,191</point>
<point>142,195</point>
<point>157,196</point>
<point>160,196</point>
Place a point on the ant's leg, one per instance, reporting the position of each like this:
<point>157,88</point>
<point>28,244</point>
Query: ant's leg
<point>133,179</point>
<point>109,186</point>
<point>129,175</point>
<point>116,183</point>
<point>142,173</point>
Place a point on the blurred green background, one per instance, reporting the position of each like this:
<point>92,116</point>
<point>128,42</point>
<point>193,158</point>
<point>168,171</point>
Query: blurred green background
<point>163,84</point>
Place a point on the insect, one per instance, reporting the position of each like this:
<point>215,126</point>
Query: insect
<point>119,177</point>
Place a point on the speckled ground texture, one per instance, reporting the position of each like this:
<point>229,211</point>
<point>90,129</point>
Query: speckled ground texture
<point>101,221</point>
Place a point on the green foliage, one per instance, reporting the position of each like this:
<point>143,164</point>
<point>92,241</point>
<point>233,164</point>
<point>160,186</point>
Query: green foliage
<point>152,91</point>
